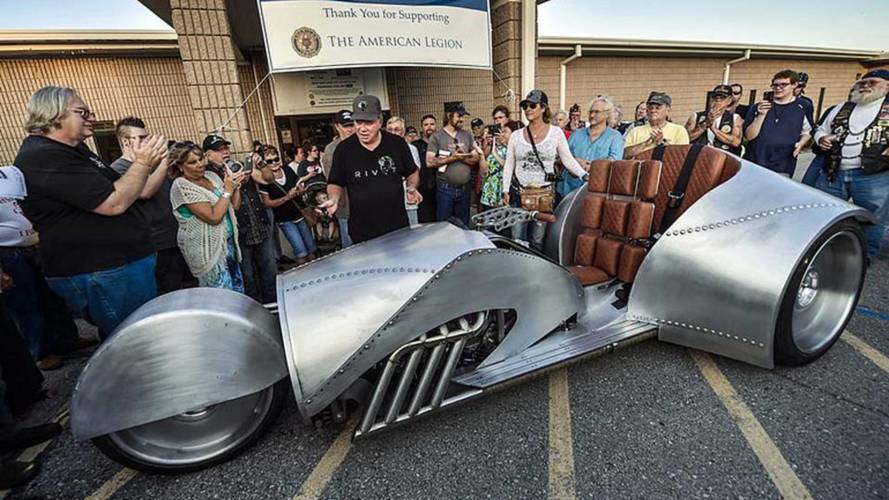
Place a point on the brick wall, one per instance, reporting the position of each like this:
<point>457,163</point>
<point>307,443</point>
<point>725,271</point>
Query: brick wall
<point>151,88</point>
<point>209,60</point>
<point>506,41</point>
<point>415,92</point>
<point>628,80</point>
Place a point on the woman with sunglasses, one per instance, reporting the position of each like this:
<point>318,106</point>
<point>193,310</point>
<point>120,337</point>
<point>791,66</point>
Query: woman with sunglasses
<point>204,205</point>
<point>282,195</point>
<point>530,157</point>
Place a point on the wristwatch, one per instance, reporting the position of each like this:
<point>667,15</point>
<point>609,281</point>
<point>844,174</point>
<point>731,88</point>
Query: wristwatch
<point>586,177</point>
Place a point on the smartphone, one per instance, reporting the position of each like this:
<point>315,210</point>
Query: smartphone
<point>494,129</point>
<point>768,96</point>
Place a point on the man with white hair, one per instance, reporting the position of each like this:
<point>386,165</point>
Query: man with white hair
<point>598,141</point>
<point>95,247</point>
<point>395,125</point>
<point>856,136</point>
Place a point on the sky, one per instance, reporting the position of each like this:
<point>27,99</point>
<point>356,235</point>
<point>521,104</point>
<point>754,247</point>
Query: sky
<point>837,24</point>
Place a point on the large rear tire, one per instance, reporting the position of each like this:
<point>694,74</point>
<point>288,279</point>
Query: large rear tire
<point>822,295</point>
<point>197,439</point>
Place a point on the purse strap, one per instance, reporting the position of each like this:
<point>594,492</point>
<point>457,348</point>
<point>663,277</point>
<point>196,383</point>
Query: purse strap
<point>534,148</point>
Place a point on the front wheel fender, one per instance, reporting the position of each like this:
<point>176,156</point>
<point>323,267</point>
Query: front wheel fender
<point>182,351</point>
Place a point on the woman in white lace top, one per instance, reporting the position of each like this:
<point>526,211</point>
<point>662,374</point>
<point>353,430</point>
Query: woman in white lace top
<point>204,205</point>
<point>535,169</point>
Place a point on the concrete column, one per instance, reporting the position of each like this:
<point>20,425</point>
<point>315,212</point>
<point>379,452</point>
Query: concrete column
<point>209,58</point>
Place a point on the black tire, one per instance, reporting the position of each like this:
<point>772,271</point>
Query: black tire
<point>108,444</point>
<point>793,348</point>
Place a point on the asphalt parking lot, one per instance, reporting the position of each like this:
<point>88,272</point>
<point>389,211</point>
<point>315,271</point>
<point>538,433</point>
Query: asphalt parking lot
<point>650,421</point>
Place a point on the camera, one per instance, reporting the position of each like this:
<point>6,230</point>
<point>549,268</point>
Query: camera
<point>494,129</point>
<point>235,166</point>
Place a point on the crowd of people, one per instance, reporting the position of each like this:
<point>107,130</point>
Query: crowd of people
<point>96,241</point>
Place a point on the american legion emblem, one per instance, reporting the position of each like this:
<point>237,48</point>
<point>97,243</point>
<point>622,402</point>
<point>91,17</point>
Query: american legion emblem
<point>306,42</point>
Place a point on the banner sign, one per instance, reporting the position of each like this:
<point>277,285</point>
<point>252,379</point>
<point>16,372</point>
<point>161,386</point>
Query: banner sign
<point>323,34</point>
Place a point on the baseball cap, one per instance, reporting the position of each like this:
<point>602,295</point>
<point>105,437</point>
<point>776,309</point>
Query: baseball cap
<point>214,142</point>
<point>659,98</point>
<point>877,73</point>
<point>411,130</point>
<point>722,91</point>
<point>366,108</point>
<point>476,122</point>
<point>536,97</point>
<point>455,107</point>
<point>343,117</point>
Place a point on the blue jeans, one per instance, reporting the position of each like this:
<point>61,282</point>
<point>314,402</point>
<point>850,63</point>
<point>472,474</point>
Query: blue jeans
<point>870,192</point>
<point>106,298</point>
<point>452,201</point>
<point>259,268</point>
<point>345,239</point>
<point>300,237</point>
<point>814,170</point>
<point>41,316</point>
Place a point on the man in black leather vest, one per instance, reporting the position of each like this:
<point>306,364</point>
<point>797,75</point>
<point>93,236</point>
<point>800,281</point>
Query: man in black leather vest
<point>856,136</point>
<point>717,126</point>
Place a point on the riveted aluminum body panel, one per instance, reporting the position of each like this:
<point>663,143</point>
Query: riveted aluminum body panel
<point>329,309</point>
<point>561,236</point>
<point>715,280</point>
<point>179,352</point>
<point>542,294</point>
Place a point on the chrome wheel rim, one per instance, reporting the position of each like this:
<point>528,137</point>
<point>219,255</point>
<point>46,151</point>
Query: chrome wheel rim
<point>198,435</point>
<point>827,293</point>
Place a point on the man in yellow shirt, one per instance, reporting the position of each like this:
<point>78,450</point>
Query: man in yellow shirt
<point>658,130</point>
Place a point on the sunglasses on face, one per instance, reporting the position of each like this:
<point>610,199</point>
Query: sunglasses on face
<point>272,160</point>
<point>530,105</point>
<point>84,113</point>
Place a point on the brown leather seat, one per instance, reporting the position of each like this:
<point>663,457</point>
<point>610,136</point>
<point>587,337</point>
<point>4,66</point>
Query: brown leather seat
<point>617,213</point>
<point>712,168</point>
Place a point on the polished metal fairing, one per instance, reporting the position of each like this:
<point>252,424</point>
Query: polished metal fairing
<point>716,279</point>
<point>177,355</point>
<point>345,313</point>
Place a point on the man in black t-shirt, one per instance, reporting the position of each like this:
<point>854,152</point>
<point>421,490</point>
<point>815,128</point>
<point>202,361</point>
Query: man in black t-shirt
<point>95,247</point>
<point>171,271</point>
<point>373,164</point>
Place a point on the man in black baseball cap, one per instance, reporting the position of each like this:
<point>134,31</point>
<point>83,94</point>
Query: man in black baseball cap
<point>374,166</point>
<point>411,134</point>
<point>717,125</point>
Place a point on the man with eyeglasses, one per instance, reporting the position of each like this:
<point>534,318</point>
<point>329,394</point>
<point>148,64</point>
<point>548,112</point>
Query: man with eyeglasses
<point>778,128</point>
<point>171,271</point>
<point>855,135</point>
<point>658,130</point>
<point>95,247</point>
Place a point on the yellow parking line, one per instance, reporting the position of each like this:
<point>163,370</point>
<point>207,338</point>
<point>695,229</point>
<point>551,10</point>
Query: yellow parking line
<point>561,444</point>
<point>112,485</point>
<point>787,482</point>
<point>316,482</point>
<point>867,351</point>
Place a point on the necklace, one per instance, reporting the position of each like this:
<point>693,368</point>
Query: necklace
<point>537,137</point>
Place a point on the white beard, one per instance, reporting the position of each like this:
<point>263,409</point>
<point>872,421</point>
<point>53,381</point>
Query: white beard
<point>858,98</point>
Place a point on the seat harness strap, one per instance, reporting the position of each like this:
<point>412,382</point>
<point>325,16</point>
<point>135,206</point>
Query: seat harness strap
<point>675,196</point>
